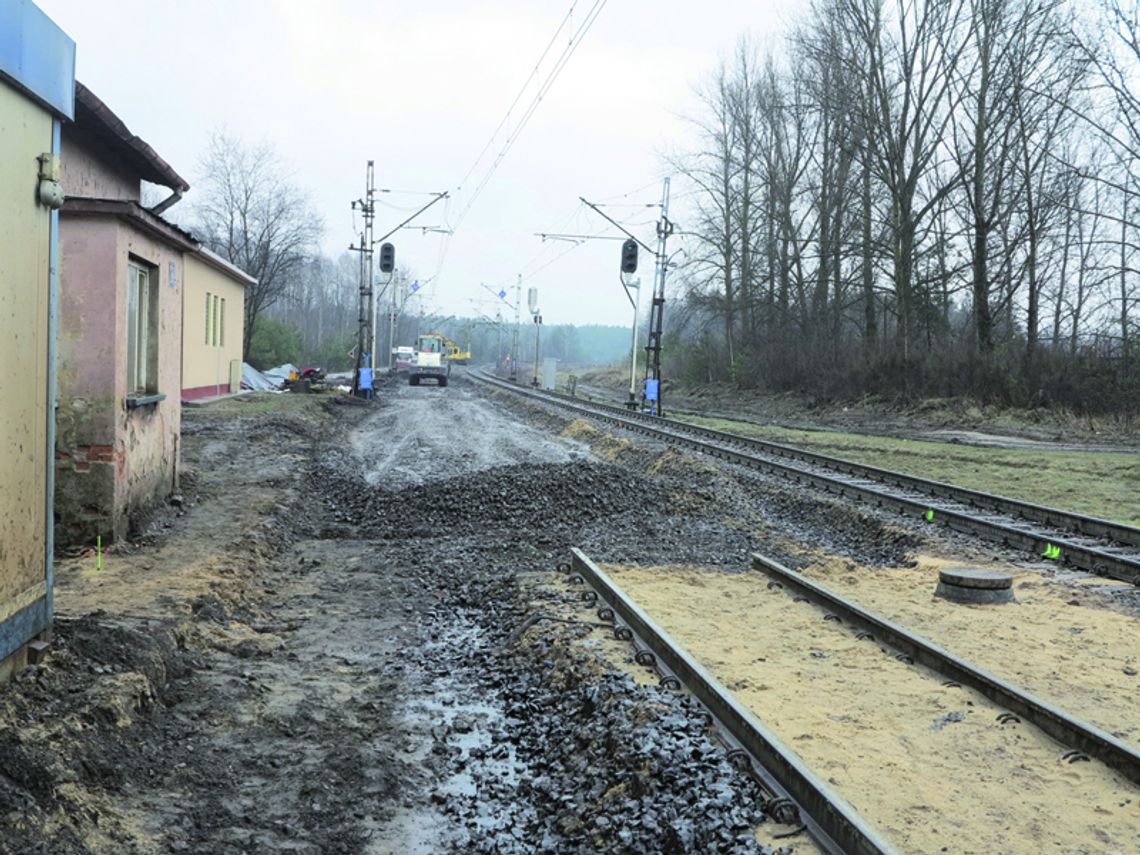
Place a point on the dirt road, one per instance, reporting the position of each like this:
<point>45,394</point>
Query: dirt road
<point>338,645</point>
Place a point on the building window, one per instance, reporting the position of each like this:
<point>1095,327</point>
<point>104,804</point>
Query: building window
<point>215,320</point>
<point>142,330</point>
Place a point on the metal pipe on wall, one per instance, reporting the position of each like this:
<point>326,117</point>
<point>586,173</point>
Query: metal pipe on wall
<point>53,323</point>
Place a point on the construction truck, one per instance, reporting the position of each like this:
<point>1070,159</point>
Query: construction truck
<point>403,356</point>
<point>455,353</point>
<point>452,351</point>
<point>429,361</point>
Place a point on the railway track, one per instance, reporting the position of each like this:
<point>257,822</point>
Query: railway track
<point>831,821</point>
<point>798,795</point>
<point>1093,545</point>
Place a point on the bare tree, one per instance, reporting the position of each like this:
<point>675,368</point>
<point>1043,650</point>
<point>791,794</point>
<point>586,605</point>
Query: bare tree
<point>251,214</point>
<point>910,57</point>
<point>712,170</point>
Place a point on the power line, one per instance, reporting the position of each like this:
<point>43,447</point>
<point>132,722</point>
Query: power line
<point>558,257</point>
<point>575,40</point>
<point>640,189</point>
<point>522,91</point>
<point>567,52</point>
<point>575,214</point>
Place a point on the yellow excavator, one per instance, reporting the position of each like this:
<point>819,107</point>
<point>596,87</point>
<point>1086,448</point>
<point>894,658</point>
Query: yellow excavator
<point>451,351</point>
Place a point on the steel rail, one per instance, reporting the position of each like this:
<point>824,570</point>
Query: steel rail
<point>1081,523</point>
<point>1052,720</point>
<point>830,820</point>
<point>1092,558</point>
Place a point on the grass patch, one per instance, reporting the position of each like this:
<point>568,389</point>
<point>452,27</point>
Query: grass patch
<point>1095,483</point>
<point>262,403</point>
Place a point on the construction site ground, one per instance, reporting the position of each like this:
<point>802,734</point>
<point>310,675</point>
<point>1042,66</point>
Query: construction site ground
<point>352,636</point>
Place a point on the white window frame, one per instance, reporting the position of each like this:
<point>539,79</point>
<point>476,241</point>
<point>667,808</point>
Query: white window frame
<point>142,329</point>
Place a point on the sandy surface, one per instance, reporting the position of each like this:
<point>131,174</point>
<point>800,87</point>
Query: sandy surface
<point>1057,641</point>
<point>929,765</point>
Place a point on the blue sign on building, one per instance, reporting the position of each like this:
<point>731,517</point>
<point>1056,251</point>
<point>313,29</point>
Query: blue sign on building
<point>37,56</point>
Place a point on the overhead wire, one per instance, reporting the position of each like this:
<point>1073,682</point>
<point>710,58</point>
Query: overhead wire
<point>523,271</point>
<point>642,189</point>
<point>445,244</point>
<point>542,253</point>
<point>401,208</point>
<point>522,91</point>
<point>527,277</point>
<point>575,39</point>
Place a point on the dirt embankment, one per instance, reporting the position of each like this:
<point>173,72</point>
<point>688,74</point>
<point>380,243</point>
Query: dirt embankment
<point>952,420</point>
<point>129,736</point>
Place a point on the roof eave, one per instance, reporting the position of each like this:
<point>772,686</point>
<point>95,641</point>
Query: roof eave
<point>138,153</point>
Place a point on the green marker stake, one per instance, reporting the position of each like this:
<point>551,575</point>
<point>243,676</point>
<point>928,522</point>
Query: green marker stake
<point>98,552</point>
<point>929,515</point>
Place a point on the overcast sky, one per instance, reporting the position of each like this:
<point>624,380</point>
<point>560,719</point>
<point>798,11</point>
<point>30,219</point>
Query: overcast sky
<point>419,86</point>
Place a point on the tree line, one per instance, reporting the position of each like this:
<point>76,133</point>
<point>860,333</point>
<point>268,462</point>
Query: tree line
<point>304,306</point>
<point>921,197</point>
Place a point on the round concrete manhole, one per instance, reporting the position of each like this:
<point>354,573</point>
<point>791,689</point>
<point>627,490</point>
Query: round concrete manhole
<point>974,585</point>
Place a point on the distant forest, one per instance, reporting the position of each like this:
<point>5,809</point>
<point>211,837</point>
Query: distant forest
<point>314,323</point>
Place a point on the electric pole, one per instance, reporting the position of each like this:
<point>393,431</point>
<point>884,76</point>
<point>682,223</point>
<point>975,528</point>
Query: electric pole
<point>392,330</point>
<point>362,383</point>
<point>653,390</point>
<point>628,268</point>
<point>532,305</point>
<point>515,342</point>
<point>537,345</point>
<point>499,350</point>
<point>361,380</point>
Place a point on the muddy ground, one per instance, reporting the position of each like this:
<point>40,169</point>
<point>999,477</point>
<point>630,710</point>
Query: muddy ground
<point>352,636</point>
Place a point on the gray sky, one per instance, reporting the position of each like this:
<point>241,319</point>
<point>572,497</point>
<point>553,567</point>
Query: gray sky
<point>419,87</point>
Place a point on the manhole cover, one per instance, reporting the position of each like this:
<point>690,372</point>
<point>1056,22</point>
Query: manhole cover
<point>974,585</point>
<point>975,577</point>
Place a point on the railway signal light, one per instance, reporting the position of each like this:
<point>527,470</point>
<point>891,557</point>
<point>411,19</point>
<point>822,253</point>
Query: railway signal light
<point>629,256</point>
<point>387,258</point>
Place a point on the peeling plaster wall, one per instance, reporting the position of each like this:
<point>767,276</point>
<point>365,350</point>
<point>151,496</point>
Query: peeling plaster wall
<point>84,173</point>
<point>89,398</point>
<point>113,463</point>
<point>153,433</point>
